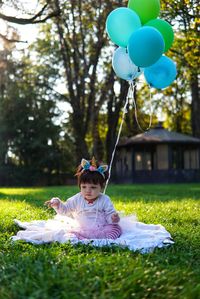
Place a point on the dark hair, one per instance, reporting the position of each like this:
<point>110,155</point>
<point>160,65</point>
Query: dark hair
<point>92,177</point>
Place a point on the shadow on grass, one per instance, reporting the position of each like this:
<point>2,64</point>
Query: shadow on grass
<point>155,193</point>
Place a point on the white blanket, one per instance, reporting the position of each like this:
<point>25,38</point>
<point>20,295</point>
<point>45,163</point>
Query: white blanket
<point>135,235</point>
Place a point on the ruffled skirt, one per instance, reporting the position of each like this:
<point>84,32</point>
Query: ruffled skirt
<point>129,233</point>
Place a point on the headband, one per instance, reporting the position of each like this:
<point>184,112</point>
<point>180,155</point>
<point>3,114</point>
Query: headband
<point>92,166</point>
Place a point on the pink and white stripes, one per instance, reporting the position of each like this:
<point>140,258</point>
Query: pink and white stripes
<point>110,231</point>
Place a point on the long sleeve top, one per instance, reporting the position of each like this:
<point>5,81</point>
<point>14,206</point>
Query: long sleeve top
<point>88,214</point>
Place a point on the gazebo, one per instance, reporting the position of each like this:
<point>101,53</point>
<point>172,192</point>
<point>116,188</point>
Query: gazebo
<point>157,155</point>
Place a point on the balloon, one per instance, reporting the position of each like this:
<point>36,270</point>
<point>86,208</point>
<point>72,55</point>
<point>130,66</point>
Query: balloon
<point>145,46</point>
<point>123,66</point>
<point>139,72</point>
<point>165,29</point>
<point>146,9</point>
<point>120,24</point>
<point>162,73</point>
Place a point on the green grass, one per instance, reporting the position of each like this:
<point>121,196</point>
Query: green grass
<point>66,271</point>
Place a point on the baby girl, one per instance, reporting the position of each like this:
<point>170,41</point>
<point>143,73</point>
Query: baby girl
<point>93,210</point>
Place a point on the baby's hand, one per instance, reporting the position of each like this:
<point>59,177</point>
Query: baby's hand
<point>115,218</point>
<point>53,203</point>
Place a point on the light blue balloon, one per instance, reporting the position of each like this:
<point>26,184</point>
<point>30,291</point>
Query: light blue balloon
<point>139,72</point>
<point>162,73</point>
<point>146,46</point>
<point>123,66</point>
<point>120,24</point>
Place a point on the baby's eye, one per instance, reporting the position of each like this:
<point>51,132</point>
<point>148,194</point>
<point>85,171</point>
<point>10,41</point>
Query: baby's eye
<point>94,187</point>
<point>83,187</point>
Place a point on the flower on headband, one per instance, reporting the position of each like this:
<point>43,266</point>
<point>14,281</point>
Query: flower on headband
<point>92,167</point>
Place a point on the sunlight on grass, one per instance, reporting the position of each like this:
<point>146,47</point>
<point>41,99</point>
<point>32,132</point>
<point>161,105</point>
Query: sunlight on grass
<point>21,191</point>
<point>19,210</point>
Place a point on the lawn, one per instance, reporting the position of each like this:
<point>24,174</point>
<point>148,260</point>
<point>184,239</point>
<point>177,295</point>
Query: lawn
<point>66,271</point>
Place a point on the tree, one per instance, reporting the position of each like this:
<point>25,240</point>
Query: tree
<point>84,53</point>
<point>35,17</point>
<point>76,50</point>
<point>30,140</point>
<point>183,14</point>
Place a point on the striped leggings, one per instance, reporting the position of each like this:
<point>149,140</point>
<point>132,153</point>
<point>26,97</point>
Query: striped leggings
<point>109,231</point>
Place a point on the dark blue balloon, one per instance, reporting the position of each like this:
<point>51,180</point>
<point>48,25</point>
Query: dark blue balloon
<point>146,46</point>
<point>162,73</point>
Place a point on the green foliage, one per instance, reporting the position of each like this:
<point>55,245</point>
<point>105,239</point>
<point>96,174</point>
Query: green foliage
<point>31,144</point>
<point>178,97</point>
<point>67,271</point>
<point>183,15</point>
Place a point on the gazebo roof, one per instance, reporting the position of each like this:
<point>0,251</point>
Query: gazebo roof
<point>159,135</point>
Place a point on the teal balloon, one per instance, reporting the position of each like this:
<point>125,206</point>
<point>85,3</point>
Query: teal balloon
<point>120,24</point>
<point>122,65</point>
<point>146,46</point>
<point>162,73</point>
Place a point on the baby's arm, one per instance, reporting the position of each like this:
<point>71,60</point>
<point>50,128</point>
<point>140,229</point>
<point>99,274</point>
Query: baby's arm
<point>60,207</point>
<point>53,203</point>
<point>111,214</point>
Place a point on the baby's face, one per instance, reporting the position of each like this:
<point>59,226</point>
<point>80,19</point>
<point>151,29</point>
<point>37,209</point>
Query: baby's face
<point>90,191</point>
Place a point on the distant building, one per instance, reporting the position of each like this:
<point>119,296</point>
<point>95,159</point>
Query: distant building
<point>157,156</point>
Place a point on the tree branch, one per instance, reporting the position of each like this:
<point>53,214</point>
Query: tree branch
<point>11,40</point>
<point>34,20</point>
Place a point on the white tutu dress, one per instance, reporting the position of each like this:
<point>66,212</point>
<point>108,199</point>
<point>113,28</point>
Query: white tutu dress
<point>135,235</point>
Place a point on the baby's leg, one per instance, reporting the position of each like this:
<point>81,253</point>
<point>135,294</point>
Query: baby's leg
<point>111,231</point>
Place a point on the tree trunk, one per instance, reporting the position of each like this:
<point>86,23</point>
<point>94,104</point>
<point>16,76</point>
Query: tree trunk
<point>81,149</point>
<point>195,117</point>
<point>114,109</point>
<point>98,148</point>
<point>130,116</point>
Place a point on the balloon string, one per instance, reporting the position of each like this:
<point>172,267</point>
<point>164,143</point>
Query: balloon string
<point>130,94</point>
<point>135,106</point>
<point>119,133</point>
